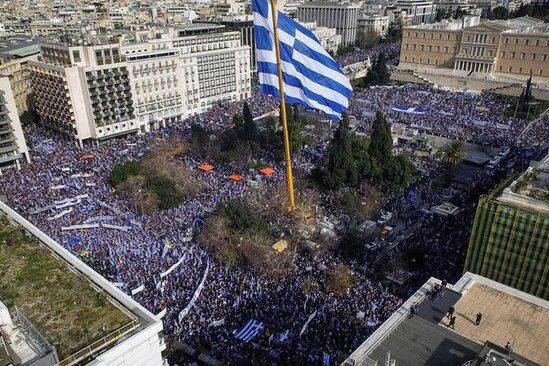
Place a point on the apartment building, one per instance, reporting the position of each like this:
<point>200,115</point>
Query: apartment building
<point>516,46</point>
<point>13,64</point>
<point>343,17</point>
<point>158,77</point>
<point>12,142</point>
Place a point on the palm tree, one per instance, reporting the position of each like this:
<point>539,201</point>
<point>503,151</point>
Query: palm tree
<point>452,152</point>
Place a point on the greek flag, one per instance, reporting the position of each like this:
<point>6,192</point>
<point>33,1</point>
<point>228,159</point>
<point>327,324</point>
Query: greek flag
<point>312,79</point>
<point>249,331</point>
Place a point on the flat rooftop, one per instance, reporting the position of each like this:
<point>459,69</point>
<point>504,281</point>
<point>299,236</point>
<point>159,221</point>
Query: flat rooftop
<point>505,318</point>
<point>61,302</point>
<point>531,189</point>
<point>509,315</point>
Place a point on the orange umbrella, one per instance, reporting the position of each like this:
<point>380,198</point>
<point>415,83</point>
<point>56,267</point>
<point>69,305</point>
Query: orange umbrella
<point>87,156</point>
<point>267,171</point>
<point>235,177</point>
<point>206,167</point>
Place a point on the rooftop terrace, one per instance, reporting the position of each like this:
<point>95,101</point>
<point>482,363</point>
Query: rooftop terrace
<point>509,315</point>
<point>63,304</point>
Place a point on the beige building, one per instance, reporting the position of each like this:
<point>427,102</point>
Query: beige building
<point>518,46</point>
<point>101,90</point>
<point>13,64</point>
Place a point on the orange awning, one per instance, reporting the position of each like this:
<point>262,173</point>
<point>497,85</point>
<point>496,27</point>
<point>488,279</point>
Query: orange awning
<point>206,167</point>
<point>86,157</point>
<point>235,177</point>
<point>267,171</point>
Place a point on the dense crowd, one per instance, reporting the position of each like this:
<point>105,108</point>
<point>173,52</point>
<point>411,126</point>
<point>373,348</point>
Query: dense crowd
<point>390,50</point>
<point>477,118</point>
<point>157,260</point>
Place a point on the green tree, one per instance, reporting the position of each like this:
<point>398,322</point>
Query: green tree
<point>166,191</point>
<point>397,174</point>
<point>121,172</point>
<point>351,245</point>
<point>340,166</point>
<point>452,152</point>
<point>367,39</point>
<point>489,14</point>
<point>394,32</point>
<point>383,73</point>
<point>361,156</point>
<point>459,13</point>
<point>200,139</point>
<point>248,129</point>
<point>501,12</point>
<point>381,141</point>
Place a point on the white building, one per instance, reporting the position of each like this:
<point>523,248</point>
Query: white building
<point>103,90</point>
<point>342,17</point>
<point>375,23</point>
<point>419,11</point>
<point>12,142</point>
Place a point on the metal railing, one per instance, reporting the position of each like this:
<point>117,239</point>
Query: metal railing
<point>96,346</point>
<point>41,345</point>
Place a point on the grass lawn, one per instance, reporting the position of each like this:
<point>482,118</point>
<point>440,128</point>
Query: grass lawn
<point>64,307</point>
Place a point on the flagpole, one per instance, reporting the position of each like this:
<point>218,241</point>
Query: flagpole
<point>287,155</point>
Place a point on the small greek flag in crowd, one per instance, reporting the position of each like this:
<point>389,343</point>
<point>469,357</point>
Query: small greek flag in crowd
<point>326,359</point>
<point>312,79</point>
<point>249,331</point>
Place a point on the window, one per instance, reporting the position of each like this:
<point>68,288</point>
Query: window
<point>76,56</point>
<point>545,57</point>
<point>502,53</point>
<point>520,70</point>
<point>500,68</point>
<point>526,41</point>
<point>516,40</point>
<point>533,56</point>
<point>513,54</point>
<point>522,55</point>
<point>540,71</point>
<point>537,42</point>
<point>510,68</point>
<point>506,40</point>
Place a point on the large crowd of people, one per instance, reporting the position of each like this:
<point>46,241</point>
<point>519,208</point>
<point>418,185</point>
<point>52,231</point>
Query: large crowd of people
<point>390,51</point>
<point>155,258</point>
<point>472,117</point>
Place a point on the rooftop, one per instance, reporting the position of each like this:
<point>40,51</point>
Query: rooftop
<point>506,318</point>
<point>531,189</point>
<point>63,304</point>
<point>509,315</point>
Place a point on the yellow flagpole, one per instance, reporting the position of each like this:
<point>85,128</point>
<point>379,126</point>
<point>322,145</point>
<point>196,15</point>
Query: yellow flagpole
<point>287,155</point>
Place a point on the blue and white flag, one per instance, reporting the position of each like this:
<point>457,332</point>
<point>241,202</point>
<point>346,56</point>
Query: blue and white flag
<point>411,110</point>
<point>312,79</point>
<point>249,331</point>
<point>326,359</point>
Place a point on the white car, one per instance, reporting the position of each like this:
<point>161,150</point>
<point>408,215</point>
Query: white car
<point>385,218</point>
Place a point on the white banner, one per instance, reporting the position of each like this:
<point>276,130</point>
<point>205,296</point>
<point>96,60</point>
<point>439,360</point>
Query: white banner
<point>217,323</point>
<point>188,308</point>
<point>118,284</point>
<point>60,214</point>
<point>116,227</point>
<point>79,227</point>
<point>174,266</point>
<point>138,289</point>
<point>61,186</point>
<point>306,325</point>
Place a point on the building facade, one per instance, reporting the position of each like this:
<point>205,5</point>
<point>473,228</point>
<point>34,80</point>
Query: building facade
<point>419,11</point>
<point>374,23</point>
<point>510,237</point>
<point>107,89</point>
<point>518,46</point>
<point>342,17</point>
<point>13,64</point>
<point>12,141</point>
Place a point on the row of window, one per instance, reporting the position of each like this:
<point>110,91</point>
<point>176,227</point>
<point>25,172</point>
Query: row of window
<point>429,48</point>
<point>532,56</point>
<point>479,38</point>
<point>526,42</point>
<point>432,36</point>
<point>530,70</point>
